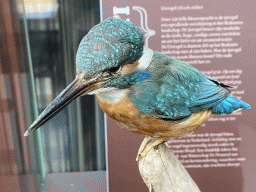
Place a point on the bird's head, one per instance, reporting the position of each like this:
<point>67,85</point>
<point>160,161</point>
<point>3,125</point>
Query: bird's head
<point>101,59</point>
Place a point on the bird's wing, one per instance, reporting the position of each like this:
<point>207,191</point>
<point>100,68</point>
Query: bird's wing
<point>175,90</point>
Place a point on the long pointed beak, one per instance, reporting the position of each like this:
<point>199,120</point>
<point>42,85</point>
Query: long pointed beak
<point>77,88</point>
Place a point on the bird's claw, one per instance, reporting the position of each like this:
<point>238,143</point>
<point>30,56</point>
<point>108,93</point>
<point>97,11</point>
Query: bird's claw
<point>147,144</point>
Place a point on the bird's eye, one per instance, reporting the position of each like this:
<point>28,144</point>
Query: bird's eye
<point>114,69</point>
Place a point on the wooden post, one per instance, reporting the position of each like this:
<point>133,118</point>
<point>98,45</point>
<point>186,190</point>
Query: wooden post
<point>162,172</point>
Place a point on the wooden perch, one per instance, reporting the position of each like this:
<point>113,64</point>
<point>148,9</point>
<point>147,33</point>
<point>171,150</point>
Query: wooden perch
<point>162,171</point>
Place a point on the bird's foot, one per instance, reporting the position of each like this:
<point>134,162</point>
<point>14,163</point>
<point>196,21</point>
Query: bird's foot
<point>147,144</point>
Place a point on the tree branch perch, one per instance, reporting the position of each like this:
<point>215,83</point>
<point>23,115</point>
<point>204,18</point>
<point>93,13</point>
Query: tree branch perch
<point>162,171</point>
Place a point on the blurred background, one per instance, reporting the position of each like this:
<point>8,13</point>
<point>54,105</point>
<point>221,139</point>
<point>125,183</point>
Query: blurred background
<point>38,44</point>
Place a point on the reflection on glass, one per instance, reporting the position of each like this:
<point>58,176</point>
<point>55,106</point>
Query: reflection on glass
<point>41,9</point>
<point>69,139</point>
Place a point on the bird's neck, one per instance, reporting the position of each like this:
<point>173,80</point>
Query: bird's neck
<point>145,59</point>
<point>115,94</point>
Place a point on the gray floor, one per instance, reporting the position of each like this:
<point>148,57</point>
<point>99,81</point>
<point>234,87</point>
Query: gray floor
<point>94,181</point>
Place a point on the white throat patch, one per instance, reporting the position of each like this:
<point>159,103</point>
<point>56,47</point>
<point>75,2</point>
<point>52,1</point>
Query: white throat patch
<point>146,58</point>
<point>112,95</point>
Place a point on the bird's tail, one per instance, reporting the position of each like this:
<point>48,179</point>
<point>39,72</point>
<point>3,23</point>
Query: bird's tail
<point>229,105</point>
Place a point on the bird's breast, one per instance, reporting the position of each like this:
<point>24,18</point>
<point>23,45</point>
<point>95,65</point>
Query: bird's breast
<point>125,113</point>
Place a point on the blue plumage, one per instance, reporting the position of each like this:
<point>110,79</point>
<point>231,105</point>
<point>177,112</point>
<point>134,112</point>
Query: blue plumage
<point>229,105</point>
<point>168,88</point>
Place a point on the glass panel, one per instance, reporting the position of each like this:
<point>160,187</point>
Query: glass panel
<point>39,40</point>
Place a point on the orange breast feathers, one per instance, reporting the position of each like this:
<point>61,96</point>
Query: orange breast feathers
<point>125,113</point>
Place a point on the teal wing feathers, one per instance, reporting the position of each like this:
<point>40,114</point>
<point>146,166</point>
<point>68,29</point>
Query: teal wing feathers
<point>174,90</point>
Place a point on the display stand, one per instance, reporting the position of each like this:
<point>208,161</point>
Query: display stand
<point>162,171</point>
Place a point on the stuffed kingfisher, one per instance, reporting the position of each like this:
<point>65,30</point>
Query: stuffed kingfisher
<point>143,90</point>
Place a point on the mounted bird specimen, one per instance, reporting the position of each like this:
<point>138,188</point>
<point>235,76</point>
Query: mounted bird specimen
<point>143,90</point>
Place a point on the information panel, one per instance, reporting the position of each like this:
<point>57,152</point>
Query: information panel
<point>218,38</point>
